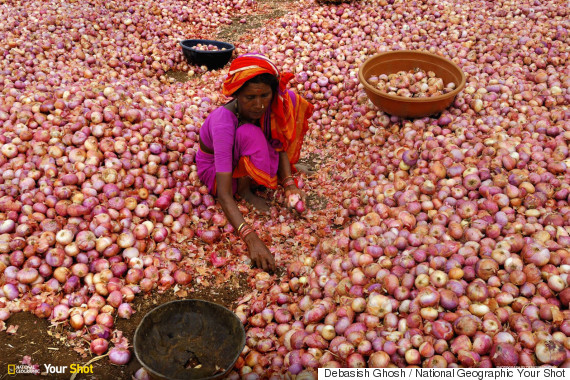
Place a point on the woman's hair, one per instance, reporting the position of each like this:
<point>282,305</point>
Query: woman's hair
<point>266,78</point>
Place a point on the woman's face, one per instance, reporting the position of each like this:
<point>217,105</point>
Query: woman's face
<point>253,100</point>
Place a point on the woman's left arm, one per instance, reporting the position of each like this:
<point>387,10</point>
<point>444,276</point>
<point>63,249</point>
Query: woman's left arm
<point>284,172</point>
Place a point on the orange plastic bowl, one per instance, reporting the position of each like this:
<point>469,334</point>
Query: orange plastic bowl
<point>404,60</point>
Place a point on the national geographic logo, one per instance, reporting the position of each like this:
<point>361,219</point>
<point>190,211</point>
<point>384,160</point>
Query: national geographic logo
<point>22,369</point>
<point>25,369</point>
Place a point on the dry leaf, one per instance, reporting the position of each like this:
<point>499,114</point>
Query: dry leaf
<point>557,317</point>
<point>245,299</point>
<point>202,271</point>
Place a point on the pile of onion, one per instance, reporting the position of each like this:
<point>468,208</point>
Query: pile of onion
<point>437,242</point>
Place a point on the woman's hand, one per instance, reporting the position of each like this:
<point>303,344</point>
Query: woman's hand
<point>258,252</point>
<point>260,255</point>
<point>284,174</point>
<point>291,190</point>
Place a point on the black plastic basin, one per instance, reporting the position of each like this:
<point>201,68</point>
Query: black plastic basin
<point>189,339</point>
<point>212,59</point>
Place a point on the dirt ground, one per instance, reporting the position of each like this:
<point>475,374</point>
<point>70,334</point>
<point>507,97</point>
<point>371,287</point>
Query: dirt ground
<point>266,9</point>
<point>44,345</point>
<point>241,27</point>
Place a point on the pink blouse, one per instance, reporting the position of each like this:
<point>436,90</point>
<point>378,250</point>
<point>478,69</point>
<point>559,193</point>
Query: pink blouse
<point>217,133</point>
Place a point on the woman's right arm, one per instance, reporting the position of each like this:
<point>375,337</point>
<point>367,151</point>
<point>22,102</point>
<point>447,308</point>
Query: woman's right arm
<point>260,255</point>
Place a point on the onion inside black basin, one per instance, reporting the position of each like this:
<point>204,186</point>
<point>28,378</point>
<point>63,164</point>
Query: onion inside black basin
<point>213,59</point>
<point>189,339</point>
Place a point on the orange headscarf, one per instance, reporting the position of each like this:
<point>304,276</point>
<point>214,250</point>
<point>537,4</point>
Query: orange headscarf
<point>289,121</point>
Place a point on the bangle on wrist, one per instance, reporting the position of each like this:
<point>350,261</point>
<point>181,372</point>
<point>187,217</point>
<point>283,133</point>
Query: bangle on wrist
<point>289,181</point>
<point>246,230</point>
<point>241,226</point>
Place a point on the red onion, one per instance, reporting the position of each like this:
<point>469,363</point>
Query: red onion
<point>60,312</point>
<point>125,311</point>
<point>76,321</point>
<point>126,240</point>
<point>550,352</point>
<point>442,330</point>
<point>141,374</point>
<point>119,356</point>
<point>43,310</point>
<point>27,275</point>
<point>211,235</point>
<point>466,325</point>
<point>504,355</point>
<point>85,240</point>
<point>355,360</point>
<point>378,305</point>
<point>99,346</point>
<point>535,253</point>
<point>300,207</point>
<point>105,319</point>
<point>4,314</point>
<point>100,331</point>
<point>115,298</point>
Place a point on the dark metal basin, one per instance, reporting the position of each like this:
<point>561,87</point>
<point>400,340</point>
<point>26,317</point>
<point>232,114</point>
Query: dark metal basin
<point>189,339</point>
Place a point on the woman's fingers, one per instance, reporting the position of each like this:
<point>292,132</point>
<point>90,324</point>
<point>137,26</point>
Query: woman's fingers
<point>268,262</point>
<point>271,263</point>
<point>306,169</point>
<point>262,258</point>
<point>266,265</point>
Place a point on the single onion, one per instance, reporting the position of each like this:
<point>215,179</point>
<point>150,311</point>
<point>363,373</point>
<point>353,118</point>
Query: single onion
<point>119,356</point>
<point>550,352</point>
<point>504,355</point>
<point>99,346</point>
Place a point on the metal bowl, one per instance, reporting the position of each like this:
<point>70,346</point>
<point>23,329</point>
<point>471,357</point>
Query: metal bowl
<point>212,59</point>
<point>189,339</point>
<point>404,60</point>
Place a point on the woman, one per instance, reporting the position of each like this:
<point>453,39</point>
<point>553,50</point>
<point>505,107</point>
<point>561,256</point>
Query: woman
<point>254,139</point>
